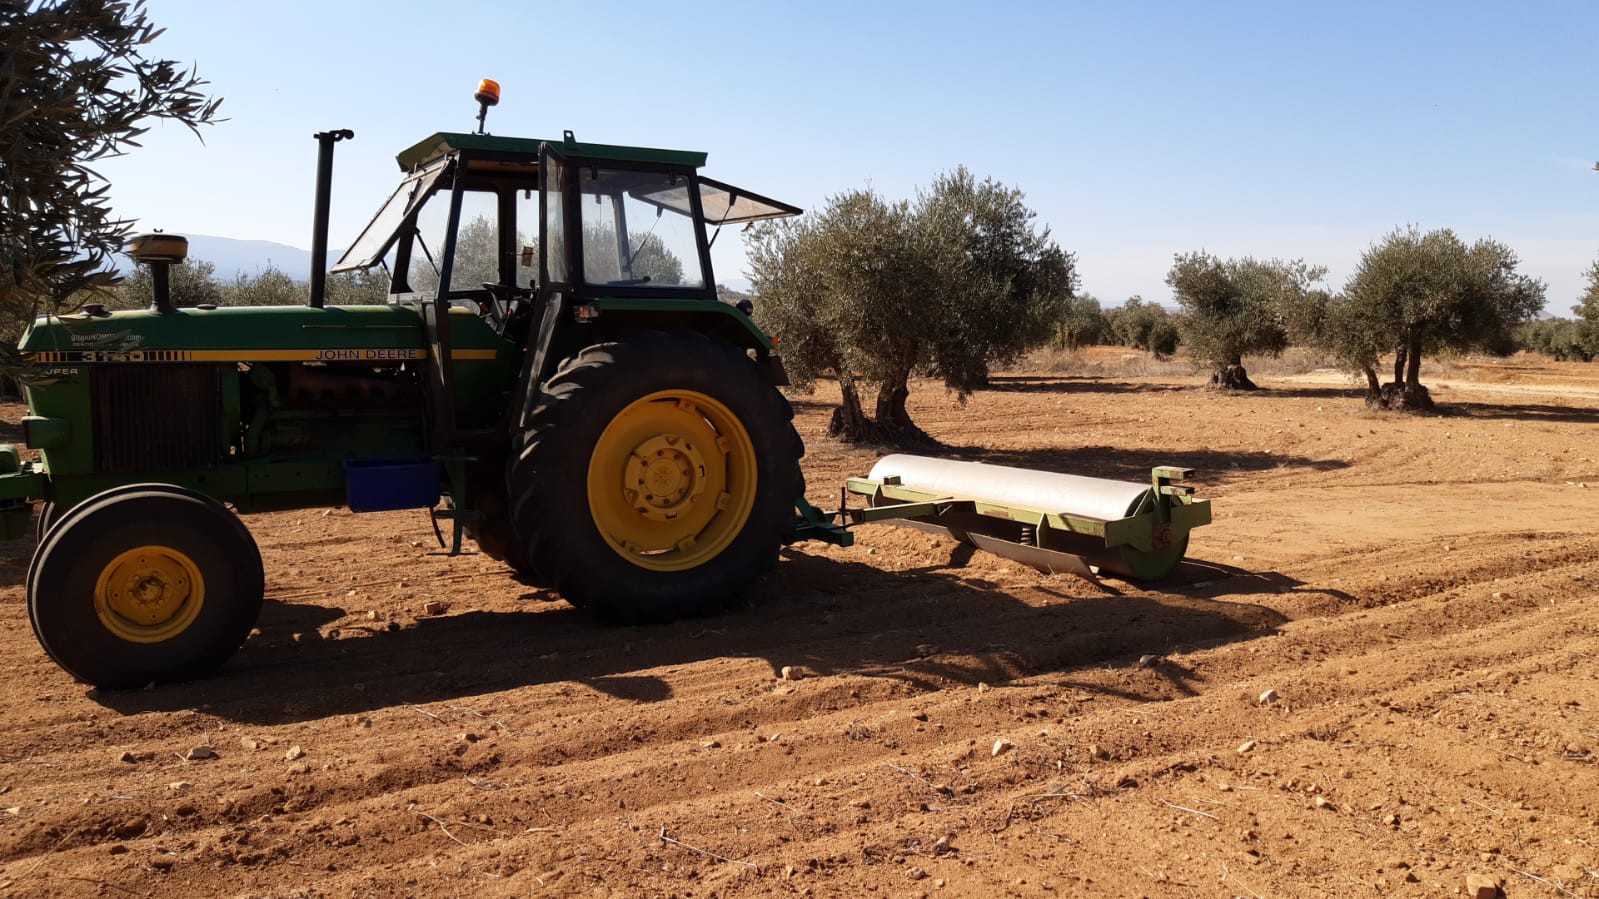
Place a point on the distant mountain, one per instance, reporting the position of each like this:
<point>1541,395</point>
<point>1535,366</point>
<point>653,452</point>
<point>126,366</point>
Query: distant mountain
<point>232,257</point>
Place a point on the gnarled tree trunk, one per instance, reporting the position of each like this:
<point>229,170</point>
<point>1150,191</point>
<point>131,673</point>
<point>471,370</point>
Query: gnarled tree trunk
<point>1232,376</point>
<point>849,422</point>
<point>892,417</point>
<point>1398,397</point>
<point>1413,362</point>
<point>892,424</point>
<point>1405,393</point>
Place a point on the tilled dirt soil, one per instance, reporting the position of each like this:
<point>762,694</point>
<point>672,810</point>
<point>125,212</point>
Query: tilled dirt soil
<point>1420,595</point>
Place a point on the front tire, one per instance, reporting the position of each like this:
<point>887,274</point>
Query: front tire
<point>45,516</point>
<point>657,477</point>
<point>142,585</point>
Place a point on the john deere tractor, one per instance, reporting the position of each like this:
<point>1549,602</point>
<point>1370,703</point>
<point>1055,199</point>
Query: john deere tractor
<point>552,359</point>
<point>552,374</point>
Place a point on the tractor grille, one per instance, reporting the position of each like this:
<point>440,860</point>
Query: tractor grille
<point>154,417</point>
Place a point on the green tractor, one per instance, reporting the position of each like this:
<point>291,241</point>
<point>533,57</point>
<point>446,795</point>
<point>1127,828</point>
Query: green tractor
<point>552,363</point>
<point>553,358</point>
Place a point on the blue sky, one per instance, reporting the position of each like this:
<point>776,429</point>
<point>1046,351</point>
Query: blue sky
<point>1137,131</point>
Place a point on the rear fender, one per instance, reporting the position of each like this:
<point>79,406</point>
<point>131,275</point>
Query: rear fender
<point>716,319</point>
<point>562,332</point>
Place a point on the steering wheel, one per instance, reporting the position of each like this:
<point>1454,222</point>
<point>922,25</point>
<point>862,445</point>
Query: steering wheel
<point>503,299</point>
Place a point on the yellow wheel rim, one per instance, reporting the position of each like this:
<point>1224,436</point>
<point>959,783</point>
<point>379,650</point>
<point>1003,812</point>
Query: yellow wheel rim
<point>149,594</point>
<point>672,480</point>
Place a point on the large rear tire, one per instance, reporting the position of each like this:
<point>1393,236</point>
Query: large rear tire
<point>657,477</point>
<point>146,584</point>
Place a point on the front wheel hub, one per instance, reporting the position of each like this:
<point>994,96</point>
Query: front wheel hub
<point>149,594</point>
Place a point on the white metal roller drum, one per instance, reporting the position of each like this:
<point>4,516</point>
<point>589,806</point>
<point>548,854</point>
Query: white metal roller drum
<point>1000,484</point>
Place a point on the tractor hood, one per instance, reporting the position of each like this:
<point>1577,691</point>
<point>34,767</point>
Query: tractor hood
<point>378,334</point>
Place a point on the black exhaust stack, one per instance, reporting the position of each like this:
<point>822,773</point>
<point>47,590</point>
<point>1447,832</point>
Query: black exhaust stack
<point>319,224</point>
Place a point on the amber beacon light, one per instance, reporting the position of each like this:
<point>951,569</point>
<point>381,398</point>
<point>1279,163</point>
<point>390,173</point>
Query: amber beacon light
<point>488,94</point>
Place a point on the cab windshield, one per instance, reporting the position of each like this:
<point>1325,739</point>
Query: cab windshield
<point>633,232</point>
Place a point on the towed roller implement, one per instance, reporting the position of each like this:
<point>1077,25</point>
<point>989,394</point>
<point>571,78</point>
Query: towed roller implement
<point>1057,523</point>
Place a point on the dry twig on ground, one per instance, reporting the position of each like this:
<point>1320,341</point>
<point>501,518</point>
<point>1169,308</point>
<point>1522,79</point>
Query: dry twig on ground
<point>707,853</point>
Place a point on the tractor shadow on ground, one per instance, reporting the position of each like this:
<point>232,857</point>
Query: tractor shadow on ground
<point>1304,392</point>
<point>1518,411</point>
<point>1067,384</point>
<point>1209,579</point>
<point>927,628</point>
<point>1084,384</point>
<point>1129,463</point>
<point>14,558</point>
<point>804,401</point>
<point>10,424</point>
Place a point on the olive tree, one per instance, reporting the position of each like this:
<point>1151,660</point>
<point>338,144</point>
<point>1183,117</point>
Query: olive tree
<point>362,286</point>
<point>1588,313</point>
<point>840,292</point>
<point>269,286</point>
<point>1235,307</point>
<point>1415,295</point>
<point>76,87</point>
<point>190,283</point>
<point>1144,326</point>
<point>477,258</point>
<point>194,282</point>
<point>876,291</point>
<point>1082,323</point>
<point>999,285</point>
<point>1561,338</point>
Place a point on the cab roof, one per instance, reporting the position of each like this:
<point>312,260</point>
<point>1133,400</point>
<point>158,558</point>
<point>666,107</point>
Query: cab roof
<point>446,142</point>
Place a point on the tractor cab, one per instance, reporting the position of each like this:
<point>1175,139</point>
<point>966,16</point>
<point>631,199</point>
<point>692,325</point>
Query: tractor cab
<point>501,225</point>
<point>555,245</point>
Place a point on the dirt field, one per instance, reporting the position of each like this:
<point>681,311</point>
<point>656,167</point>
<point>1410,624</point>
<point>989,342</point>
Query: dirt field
<point>1421,594</point>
